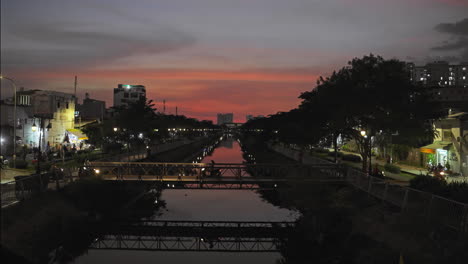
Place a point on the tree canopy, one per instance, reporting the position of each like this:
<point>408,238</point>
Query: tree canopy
<point>371,94</point>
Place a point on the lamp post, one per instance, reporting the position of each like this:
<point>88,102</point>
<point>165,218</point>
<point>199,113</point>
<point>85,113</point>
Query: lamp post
<point>14,118</point>
<point>368,148</point>
<point>41,129</point>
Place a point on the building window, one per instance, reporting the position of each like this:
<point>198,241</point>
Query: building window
<point>66,106</point>
<point>134,95</point>
<point>58,104</point>
<point>125,95</point>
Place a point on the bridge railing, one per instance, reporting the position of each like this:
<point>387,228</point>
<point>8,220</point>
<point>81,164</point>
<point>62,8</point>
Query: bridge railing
<point>200,171</point>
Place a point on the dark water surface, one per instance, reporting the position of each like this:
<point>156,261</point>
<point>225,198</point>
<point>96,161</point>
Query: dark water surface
<point>235,205</point>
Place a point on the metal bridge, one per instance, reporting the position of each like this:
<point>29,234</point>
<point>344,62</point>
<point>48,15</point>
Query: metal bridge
<point>215,176</point>
<point>227,236</point>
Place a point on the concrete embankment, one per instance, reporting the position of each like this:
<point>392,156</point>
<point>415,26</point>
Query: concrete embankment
<point>351,223</point>
<point>34,228</point>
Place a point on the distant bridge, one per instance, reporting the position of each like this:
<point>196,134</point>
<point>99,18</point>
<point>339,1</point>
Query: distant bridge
<point>227,236</point>
<point>215,176</point>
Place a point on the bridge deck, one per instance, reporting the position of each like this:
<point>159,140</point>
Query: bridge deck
<point>195,236</point>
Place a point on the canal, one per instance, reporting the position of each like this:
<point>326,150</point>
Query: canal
<point>204,205</point>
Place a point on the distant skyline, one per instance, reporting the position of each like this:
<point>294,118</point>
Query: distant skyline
<point>214,56</point>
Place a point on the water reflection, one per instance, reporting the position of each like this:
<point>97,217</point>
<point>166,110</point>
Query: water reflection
<point>204,205</point>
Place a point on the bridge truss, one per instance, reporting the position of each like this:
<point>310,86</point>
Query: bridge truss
<point>196,236</point>
<point>215,176</point>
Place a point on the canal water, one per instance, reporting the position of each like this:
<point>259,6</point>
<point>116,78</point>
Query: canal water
<point>222,205</point>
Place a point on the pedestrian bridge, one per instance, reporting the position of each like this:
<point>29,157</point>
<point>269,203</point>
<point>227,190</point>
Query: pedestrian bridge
<point>214,176</point>
<point>220,236</point>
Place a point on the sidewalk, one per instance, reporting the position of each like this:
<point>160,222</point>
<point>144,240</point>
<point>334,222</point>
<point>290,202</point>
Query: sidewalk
<point>404,168</point>
<point>8,174</point>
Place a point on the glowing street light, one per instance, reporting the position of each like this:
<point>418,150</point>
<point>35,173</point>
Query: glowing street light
<point>363,133</point>
<point>115,129</point>
<point>34,127</point>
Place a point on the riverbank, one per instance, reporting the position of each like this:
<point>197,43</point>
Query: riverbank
<point>341,223</point>
<point>37,229</point>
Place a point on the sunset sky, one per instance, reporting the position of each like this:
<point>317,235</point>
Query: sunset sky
<point>210,56</point>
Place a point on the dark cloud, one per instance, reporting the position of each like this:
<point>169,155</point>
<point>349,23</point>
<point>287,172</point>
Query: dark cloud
<point>69,45</point>
<point>458,28</point>
<point>461,43</point>
<point>458,41</point>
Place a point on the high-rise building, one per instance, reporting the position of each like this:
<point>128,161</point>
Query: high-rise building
<point>225,118</point>
<point>445,83</point>
<point>440,74</point>
<point>126,93</point>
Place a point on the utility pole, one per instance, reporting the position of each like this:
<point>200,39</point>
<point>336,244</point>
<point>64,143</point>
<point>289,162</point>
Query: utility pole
<point>164,106</point>
<point>176,110</point>
<point>76,83</point>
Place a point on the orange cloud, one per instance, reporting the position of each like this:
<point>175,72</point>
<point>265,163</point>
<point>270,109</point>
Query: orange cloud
<point>197,93</point>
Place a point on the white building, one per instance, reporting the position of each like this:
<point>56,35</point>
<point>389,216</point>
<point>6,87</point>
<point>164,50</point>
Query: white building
<point>51,113</point>
<point>126,93</point>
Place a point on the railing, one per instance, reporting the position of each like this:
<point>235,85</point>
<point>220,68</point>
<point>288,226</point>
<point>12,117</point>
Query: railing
<point>26,187</point>
<point>195,236</point>
<point>432,207</point>
<point>201,171</point>
<point>435,209</point>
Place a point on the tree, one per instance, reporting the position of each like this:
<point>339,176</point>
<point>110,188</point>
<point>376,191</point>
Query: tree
<point>370,94</point>
<point>376,96</point>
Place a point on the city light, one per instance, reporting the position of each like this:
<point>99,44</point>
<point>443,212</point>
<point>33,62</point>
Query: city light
<point>115,129</point>
<point>34,127</point>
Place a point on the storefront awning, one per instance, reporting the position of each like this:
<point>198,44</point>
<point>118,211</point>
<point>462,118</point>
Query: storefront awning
<point>77,133</point>
<point>431,149</point>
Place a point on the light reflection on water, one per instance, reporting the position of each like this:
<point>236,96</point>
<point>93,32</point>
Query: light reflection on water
<point>236,205</point>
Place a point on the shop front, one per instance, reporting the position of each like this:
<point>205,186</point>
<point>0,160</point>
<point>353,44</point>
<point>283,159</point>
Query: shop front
<point>76,138</point>
<point>437,153</point>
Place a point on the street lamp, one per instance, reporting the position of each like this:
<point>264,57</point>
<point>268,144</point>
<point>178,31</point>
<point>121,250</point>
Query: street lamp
<point>14,118</point>
<point>34,127</point>
<point>364,135</point>
<point>115,129</point>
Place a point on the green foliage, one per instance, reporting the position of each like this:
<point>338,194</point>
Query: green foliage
<point>430,184</point>
<point>321,150</point>
<point>350,146</point>
<point>401,151</point>
<point>140,118</point>
<point>392,168</point>
<point>352,158</point>
<point>372,94</point>
<point>457,191</point>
